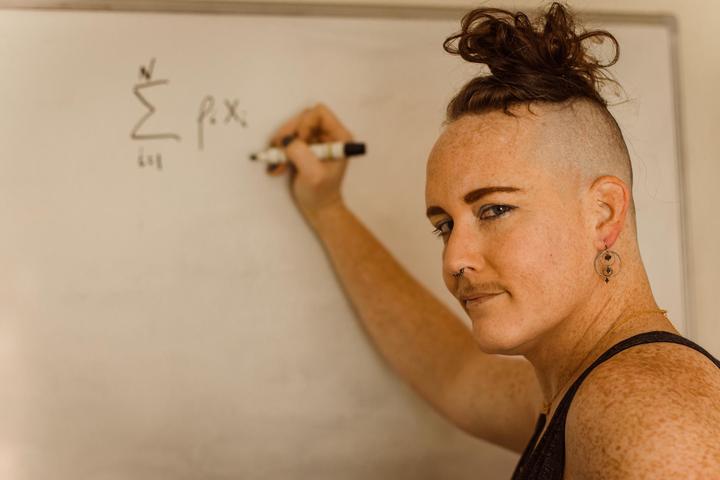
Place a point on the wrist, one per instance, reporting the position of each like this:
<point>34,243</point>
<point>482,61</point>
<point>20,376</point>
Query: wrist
<point>326,215</point>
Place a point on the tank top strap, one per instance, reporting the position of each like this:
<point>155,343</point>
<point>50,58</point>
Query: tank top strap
<point>547,459</point>
<point>641,338</point>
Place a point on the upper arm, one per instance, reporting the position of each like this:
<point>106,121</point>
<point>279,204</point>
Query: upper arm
<point>496,398</point>
<point>639,421</point>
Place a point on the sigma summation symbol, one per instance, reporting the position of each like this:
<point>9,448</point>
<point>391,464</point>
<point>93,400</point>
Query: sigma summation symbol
<point>207,116</point>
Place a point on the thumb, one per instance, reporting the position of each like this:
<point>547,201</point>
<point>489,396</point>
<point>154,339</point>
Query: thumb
<point>307,163</point>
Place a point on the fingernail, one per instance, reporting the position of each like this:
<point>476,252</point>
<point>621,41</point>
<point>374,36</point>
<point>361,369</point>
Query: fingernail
<point>287,139</point>
<point>276,169</point>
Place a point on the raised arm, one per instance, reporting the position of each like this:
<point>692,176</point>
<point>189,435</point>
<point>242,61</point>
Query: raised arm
<point>489,396</point>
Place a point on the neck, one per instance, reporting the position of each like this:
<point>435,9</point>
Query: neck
<point>563,352</point>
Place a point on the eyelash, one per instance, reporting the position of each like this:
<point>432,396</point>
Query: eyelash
<point>439,233</point>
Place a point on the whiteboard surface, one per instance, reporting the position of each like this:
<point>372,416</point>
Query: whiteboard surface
<point>183,321</point>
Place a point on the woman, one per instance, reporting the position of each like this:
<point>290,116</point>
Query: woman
<point>530,187</point>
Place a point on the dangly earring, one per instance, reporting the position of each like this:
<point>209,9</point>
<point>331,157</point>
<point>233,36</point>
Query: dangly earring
<point>607,264</point>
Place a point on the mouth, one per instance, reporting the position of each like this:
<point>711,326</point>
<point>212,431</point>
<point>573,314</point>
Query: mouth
<point>472,302</point>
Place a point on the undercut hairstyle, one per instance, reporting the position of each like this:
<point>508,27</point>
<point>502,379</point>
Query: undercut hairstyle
<point>544,60</point>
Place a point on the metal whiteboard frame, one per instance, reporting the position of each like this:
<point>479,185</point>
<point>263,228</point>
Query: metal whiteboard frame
<point>410,12</point>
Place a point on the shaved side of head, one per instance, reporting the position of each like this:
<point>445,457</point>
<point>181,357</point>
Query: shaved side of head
<point>587,130</point>
<point>583,142</point>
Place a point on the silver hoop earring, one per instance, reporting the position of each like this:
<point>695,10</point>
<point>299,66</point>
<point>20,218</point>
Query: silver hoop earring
<point>607,264</point>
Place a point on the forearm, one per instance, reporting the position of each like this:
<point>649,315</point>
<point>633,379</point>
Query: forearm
<point>421,339</point>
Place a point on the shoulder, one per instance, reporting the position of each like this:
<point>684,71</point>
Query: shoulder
<point>651,411</point>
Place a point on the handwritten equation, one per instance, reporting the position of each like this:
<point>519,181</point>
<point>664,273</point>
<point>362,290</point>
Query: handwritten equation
<point>208,113</point>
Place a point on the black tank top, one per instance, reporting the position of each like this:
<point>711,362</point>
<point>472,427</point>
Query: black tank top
<point>547,461</point>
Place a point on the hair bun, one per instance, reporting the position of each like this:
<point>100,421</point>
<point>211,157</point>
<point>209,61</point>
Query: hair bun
<point>542,61</point>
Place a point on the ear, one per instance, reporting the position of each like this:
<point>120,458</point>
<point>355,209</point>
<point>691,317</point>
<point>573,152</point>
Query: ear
<point>611,199</point>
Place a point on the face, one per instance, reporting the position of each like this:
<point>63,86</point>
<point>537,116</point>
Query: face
<point>520,237</point>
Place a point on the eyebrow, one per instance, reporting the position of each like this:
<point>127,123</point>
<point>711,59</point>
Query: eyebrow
<point>473,196</point>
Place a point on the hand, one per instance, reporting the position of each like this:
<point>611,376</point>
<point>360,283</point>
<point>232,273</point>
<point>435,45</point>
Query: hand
<point>315,184</point>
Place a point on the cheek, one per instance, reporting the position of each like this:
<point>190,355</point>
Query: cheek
<point>539,263</point>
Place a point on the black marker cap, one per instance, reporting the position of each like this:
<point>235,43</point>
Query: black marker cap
<point>354,149</point>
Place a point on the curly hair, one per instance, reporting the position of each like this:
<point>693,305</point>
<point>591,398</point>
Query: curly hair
<point>541,61</point>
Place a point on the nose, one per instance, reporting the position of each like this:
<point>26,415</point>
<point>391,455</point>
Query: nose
<point>463,249</point>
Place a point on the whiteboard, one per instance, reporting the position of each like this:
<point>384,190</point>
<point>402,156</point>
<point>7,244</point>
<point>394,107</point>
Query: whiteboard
<point>165,312</point>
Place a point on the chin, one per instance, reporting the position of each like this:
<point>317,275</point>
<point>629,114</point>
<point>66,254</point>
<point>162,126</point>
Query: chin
<point>497,337</point>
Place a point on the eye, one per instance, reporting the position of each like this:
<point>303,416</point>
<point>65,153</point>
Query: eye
<point>502,209</point>
<point>499,210</point>
<point>439,229</point>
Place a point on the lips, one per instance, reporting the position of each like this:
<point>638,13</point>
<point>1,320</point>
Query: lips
<point>481,299</point>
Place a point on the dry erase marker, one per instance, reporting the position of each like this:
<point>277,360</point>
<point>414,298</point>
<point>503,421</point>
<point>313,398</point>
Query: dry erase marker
<point>324,151</point>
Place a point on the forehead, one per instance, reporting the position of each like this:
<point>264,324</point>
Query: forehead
<point>482,150</point>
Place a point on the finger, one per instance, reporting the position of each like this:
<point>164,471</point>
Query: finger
<point>277,169</point>
<point>332,124</point>
<point>290,126</point>
<point>321,121</point>
<point>324,137</point>
<point>304,159</point>
<point>285,130</point>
